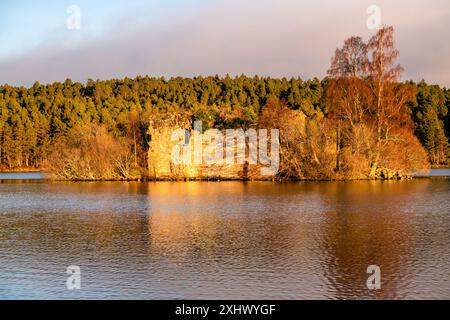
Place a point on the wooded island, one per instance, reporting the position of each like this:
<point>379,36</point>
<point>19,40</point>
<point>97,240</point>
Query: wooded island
<point>360,122</point>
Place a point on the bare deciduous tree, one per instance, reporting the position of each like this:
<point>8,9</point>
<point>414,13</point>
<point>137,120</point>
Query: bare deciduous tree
<point>89,152</point>
<point>350,60</point>
<point>366,104</point>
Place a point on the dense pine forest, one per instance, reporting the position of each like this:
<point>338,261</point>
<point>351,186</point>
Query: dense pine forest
<point>43,120</point>
<point>32,119</point>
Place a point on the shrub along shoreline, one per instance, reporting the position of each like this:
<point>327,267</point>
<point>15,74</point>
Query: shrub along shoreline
<point>395,177</point>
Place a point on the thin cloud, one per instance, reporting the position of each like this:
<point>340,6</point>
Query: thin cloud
<point>277,38</point>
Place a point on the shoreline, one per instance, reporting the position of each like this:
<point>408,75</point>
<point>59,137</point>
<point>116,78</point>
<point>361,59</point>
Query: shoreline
<point>22,170</point>
<point>218,179</point>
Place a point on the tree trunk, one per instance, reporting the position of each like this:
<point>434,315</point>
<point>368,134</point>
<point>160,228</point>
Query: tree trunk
<point>338,148</point>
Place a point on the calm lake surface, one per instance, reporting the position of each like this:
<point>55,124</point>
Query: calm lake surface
<point>443,172</point>
<point>21,176</point>
<point>227,240</point>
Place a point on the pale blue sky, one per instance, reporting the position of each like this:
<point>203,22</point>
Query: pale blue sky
<point>25,24</point>
<point>121,38</point>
